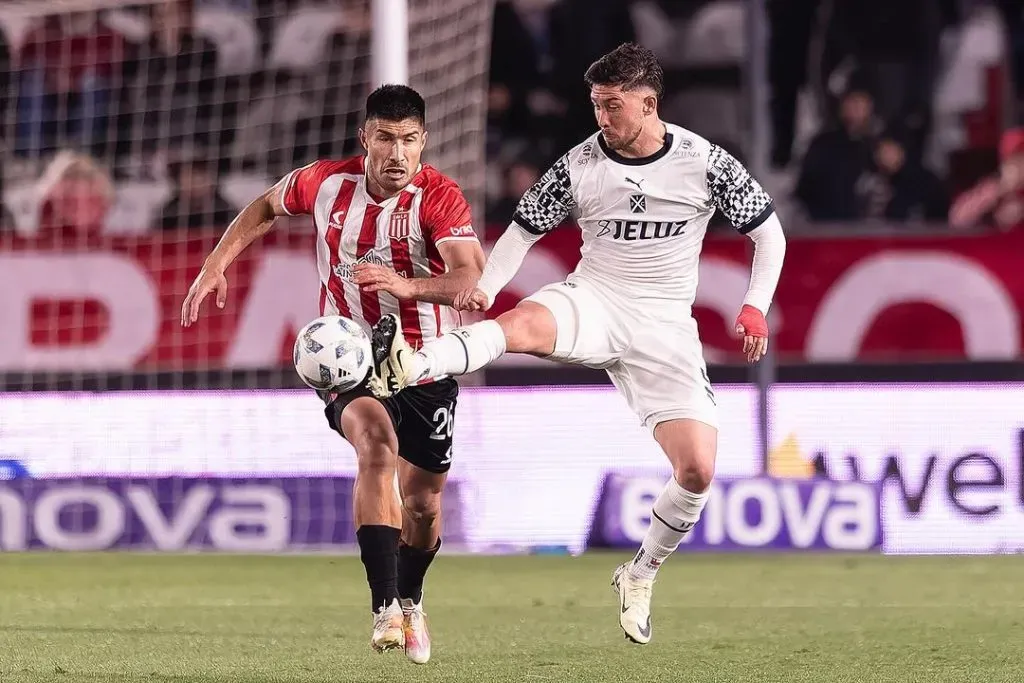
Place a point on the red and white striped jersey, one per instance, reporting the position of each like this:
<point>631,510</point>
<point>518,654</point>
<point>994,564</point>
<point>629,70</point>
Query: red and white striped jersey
<point>401,232</point>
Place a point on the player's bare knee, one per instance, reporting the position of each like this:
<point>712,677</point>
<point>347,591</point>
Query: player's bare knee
<point>694,474</point>
<point>424,507</point>
<point>515,325</point>
<point>529,328</point>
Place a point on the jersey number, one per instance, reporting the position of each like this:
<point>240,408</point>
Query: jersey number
<point>444,423</point>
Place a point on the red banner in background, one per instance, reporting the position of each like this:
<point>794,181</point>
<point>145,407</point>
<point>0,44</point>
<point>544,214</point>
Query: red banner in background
<point>115,305</point>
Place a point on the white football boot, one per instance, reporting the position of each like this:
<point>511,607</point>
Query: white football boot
<point>392,355</point>
<point>634,604</point>
<point>417,636</point>
<point>388,628</point>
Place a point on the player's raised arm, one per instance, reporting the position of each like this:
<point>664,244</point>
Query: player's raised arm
<point>751,211</point>
<point>291,196</point>
<point>541,210</point>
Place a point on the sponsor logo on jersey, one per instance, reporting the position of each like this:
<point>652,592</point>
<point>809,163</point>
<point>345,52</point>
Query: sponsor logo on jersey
<point>398,226</point>
<point>344,270</point>
<point>337,220</point>
<point>686,147</point>
<point>463,231</point>
<point>637,203</point>
<point>641,230</point>
<point>585,153</point>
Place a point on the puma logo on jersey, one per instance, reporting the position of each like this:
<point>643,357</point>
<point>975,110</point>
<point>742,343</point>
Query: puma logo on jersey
<point>641,230</point>
<point>636,182</point>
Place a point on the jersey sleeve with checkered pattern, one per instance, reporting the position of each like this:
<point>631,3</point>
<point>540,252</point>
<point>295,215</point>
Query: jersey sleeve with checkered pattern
<point>548,202</point>
<point>735,192</point>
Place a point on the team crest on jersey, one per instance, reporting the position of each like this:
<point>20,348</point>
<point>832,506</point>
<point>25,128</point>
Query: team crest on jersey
<point>398,226</point>
<point>637,203</point>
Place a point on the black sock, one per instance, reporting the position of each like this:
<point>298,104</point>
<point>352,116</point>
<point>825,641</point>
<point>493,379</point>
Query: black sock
<point>412,567</point>
<point>378,549</point>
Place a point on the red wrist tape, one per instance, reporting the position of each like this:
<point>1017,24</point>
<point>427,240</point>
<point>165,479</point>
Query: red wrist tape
<point>752,321</point>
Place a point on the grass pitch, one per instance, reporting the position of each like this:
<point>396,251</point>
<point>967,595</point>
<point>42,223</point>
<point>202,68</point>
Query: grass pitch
<point>297,619</point>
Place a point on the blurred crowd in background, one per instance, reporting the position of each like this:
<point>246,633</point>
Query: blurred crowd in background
<point>895,112</point>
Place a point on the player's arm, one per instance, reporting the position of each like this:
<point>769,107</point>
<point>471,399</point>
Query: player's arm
<point>751,211</point>
<point>464,262</point>
<point>446,223</point>
<point>463,259</point>
<point>288,197</point>
<point>542,209</point>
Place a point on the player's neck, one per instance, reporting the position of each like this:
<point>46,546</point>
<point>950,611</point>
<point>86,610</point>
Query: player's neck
<point>378,193</point>
<point>650,142</point>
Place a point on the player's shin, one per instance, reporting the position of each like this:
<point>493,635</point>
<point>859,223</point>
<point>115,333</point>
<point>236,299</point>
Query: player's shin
<point>377,514</point>
<point>421,539</point>
<point>421,526</point>
<point>413,563</point>
<point>459,352</point>
<point>675,512</point>
<point>378,549</point>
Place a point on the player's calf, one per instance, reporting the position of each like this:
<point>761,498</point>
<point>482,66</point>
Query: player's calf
<point>675,512</point>
<point>378,517</point>
<point>690,446</point>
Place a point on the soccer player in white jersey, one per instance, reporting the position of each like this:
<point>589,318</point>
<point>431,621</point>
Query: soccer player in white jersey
<point>394,238</point>
<point>642,191</point>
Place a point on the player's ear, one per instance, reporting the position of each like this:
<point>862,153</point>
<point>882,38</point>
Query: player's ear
<point>362,139</point>
<point>423,140</point>
<point>650,104</point>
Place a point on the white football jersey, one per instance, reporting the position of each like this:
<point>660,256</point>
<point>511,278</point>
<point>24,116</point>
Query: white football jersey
<point>644,220</point>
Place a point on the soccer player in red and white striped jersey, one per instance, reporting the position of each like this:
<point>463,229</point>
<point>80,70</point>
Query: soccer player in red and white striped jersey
<point>394,238</point>
<point>402,236</point>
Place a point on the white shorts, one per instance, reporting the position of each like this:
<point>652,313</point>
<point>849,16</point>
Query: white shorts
<point>657,365</point>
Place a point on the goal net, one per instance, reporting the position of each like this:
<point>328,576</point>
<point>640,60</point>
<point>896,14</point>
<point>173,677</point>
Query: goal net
<point>133,132</point>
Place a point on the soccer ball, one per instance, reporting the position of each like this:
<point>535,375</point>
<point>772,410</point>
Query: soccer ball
<point>332,353</point>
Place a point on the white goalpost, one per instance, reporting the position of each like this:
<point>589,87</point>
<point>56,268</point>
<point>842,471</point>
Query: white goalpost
<point>389,60</point>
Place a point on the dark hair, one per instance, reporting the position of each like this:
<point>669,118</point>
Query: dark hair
<point>629,66</point>
<point>396,103</point>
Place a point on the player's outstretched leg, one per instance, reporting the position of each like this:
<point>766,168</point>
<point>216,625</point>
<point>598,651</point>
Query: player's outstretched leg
<point>367,426</point>
<point>458,352</point>
<point>528,328</point>
<point>690,446</point>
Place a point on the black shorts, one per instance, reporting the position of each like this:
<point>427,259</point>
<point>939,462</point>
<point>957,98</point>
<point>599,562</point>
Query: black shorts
<point>422,417</point>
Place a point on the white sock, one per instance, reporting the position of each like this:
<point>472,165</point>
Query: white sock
<point>460,351</point>
<point>675,512</point>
